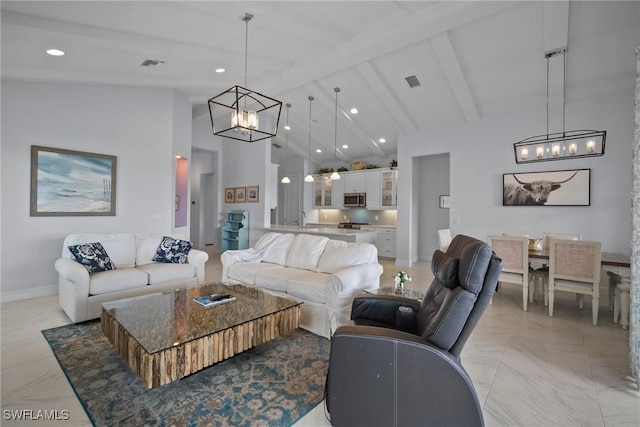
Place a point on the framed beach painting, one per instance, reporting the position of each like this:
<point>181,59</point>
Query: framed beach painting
<point>72,183</point>
<point>253,194</point>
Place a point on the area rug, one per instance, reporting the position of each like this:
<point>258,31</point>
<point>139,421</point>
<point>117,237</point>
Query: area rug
<point>273,384</point>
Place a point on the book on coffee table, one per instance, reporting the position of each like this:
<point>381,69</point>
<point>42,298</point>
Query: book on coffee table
<point>214,299</point>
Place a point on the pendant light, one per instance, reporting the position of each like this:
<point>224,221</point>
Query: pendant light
<point>285,179</point>
<point>309,177</point>
<point>253,116</point>
<point>560,145</point>
<point>335,175</point>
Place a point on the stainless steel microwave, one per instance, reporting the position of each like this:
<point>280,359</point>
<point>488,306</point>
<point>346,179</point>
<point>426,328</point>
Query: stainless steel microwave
<point>355,200</point>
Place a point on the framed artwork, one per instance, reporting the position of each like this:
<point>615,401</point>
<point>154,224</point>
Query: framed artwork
<point>443,203</point>
<point>229,195</point>
<point>241,194</point>
<point>253,194</point>
<point>72,183</point>
<point>555,188</point>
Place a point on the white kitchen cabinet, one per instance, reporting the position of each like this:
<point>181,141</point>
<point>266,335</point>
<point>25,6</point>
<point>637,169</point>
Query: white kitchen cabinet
<point>337,193</point>
<point>389,188</point>
<point>385,240</point>
<point>322,191</point>
<point>374,198</point>
<point>355,182</point>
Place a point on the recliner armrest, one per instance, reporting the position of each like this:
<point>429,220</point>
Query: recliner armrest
<point>388,311</point>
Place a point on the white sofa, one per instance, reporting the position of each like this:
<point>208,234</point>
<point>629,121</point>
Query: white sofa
<point>81,294</point>
<point>324,274</point>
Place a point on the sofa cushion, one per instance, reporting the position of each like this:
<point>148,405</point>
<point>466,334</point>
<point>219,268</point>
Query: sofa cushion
<point>308,285</point>
<point>173,251</point>
<point>117,280</point>
<point>279,245</point>
<point>338,255</point>
<point>305,251</point>
<point>121,247</point>
<point>92,256</point>
<point>146,247</point>
<point>163,272</point>
<point>245,272</point>
<point>275,278</point>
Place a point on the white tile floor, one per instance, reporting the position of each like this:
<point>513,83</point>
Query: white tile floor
<point>529,369</point>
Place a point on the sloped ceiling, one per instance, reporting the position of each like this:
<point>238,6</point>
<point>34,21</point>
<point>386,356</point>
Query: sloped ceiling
<point>471,58</point>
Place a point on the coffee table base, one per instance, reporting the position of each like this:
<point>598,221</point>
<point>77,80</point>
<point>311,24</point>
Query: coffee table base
<point>177,362</point>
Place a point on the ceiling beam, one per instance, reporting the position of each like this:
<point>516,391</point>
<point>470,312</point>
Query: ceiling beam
<point>453,72</point>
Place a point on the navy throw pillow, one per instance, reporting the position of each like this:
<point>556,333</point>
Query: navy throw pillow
<point>93,256</point>
<point>172,251</point>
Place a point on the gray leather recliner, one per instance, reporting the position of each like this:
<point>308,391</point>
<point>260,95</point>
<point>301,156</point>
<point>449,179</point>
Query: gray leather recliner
<point>399,365</point>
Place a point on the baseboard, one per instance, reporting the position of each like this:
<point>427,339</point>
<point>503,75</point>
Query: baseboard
<point>28,293</point>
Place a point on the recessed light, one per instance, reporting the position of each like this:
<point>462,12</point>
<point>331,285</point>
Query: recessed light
<point>382,140</point>
<point>220,70</point>
<point>345,146</point>
<point>354,111</point>
<point>287,127</point>
<point>55,52</point>
<point>318,150</point>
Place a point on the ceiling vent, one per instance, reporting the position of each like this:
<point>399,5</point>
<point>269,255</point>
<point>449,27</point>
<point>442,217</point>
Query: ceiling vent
<point>275,144</point>
<point>412,81</point>
<point>151,63</point>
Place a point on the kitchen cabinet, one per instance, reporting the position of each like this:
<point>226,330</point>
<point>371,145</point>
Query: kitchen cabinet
<point>337,193</point>
<point>385,240</point>
<point>389,188</point>
<point>355,182</point>
<point>322,191</point>
<point>374,198</point>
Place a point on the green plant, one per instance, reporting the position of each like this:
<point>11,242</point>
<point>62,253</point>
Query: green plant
<point>343,169</point>
<point>372,167</point>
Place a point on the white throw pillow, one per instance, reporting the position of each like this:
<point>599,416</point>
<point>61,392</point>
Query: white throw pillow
<point>338,255</point>
<point>305,251</point>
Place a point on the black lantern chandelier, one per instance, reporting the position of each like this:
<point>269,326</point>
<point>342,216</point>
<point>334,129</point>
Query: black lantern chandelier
<point>244,114</point>
<point>561,145</point>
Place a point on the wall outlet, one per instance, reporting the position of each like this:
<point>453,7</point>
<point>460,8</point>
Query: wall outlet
<point>344,217</point>
<point>325,216</point>
<point>376,217</point>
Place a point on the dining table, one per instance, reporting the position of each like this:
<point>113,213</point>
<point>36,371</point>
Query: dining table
<point>619,283</point>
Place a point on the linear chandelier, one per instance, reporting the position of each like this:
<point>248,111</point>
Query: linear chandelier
<point>560,145</point>
<point>244,114</point>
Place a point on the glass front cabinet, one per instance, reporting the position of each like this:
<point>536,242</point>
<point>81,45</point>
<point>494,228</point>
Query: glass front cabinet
<point>322,191</point>
<point>389,188</point>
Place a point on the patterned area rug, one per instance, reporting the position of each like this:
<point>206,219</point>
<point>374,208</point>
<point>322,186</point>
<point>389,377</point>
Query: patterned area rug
<point>273,384</point>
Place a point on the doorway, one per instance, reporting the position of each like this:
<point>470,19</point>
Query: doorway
<point>292,209</point>
<point>204,229</point>
<point>433,178</point>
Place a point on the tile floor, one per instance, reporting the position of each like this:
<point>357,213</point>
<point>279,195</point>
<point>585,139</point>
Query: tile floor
<point>529,369</point>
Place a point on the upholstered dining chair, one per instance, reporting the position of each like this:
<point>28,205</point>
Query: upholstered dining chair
<point>540,275</point>
<point>444,239</point>
<point>399,364</point>
<point>514,251</point>
<point>574,266</point>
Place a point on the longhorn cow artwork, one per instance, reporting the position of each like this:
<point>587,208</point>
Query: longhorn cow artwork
<point>557,188</point>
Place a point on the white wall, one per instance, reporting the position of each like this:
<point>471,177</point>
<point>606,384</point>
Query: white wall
<point>482,151</point>
<point>137,125</point>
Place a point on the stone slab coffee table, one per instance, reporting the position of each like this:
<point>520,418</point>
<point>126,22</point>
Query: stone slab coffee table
<point>166,336</point>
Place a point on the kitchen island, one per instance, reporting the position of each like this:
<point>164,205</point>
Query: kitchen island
<point>347,235</point>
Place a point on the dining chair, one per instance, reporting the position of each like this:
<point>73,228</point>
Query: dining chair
<point>540,275</point>
<point>444,239</point>
<point>514,251</point>
<point>574,266</point>
<point>526,234</point>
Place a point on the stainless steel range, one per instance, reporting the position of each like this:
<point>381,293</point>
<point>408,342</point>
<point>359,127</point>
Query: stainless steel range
<point>352,225</point>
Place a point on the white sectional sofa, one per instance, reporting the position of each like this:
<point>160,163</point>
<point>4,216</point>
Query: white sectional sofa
<point>81,294</point>
<point>324,274</point>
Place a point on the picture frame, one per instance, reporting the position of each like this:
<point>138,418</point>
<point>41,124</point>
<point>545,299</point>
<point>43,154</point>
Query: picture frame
<point>443,201</point>
<point>72,183</point>
<point>253,194</point>
<point>229,195</point>
<point>570,187</point>
<point>240,194</point>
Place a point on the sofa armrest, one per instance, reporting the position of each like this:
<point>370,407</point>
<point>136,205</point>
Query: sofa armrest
<point>198,258</point>
<point>388,311</point>
<point>344,285</point>
<point>73,288</point>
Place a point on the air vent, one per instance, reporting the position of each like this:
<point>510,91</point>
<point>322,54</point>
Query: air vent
<point>412,81</point>
<point>151,63</point>
<point>275,144</point>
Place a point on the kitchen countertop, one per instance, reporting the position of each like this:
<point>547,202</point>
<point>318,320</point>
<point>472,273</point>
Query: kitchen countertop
<point>317,230</point>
